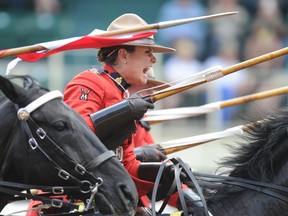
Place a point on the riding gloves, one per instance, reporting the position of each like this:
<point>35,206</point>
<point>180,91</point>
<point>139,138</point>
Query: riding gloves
<point>149,153</point>
<point>116,123</point>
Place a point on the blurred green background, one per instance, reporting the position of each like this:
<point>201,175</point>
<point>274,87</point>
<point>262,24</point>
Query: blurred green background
<point>20,25</point>
<point>28,22</point>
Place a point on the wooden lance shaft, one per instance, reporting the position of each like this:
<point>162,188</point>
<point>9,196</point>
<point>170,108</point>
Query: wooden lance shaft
<point>161,95</point>
<point>155,26</point>
<point>170,150</point>
<point>253,97</point>
<point>173,149</point>
<point>254,61</point>
<point>242,65</point>
<point>21,50</point>
<point>218,105</point>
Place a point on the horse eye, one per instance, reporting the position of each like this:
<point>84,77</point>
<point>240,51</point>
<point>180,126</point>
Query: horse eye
<point>60,125</point>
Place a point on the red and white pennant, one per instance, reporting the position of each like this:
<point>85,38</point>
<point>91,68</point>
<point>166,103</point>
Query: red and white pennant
<point>84,42</point>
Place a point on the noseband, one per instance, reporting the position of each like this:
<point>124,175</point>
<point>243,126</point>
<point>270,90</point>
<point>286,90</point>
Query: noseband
<point>86,182</point>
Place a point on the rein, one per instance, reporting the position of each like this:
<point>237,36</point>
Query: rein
<point>86,182</point>
<point>273,190</point>
<point>179,166</point>
<point>261,187</point>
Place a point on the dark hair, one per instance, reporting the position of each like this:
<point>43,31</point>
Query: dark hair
<point>108,55</point>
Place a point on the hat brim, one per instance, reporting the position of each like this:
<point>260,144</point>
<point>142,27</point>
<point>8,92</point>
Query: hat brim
<point>155,48</point>
<point>158,85</point>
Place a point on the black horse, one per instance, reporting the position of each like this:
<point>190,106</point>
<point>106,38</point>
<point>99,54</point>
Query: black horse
<point>44,142</point>
<point>258,181</point>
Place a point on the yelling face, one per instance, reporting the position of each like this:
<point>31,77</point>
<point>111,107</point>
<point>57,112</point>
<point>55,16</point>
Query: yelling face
<point>136,64</point>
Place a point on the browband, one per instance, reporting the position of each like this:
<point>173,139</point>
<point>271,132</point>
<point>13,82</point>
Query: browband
<point>24,113</point>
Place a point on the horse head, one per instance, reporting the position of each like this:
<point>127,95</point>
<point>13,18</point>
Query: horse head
<point>45,142</point>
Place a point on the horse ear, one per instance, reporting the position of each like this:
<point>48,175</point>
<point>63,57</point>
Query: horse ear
<point>12,91</point>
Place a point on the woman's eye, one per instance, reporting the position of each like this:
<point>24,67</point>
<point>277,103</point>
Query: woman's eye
<point>60,125</point>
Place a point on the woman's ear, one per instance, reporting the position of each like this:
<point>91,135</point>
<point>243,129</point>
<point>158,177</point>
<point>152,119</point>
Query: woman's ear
<point>122,55</point>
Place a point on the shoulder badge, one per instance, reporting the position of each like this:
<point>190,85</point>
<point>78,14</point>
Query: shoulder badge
<point>84,95</point>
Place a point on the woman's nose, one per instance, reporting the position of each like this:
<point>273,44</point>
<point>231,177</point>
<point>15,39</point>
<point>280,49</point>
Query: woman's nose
<point>153,59</point>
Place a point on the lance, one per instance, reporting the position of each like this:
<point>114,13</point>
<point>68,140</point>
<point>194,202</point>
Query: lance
<point>155,26</point>
<point>157,116</point>
<point>212,74</point>
<point>172,146</point>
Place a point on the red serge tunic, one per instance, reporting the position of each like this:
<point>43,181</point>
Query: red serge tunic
<point>91,91</point>
<point>142,136</point>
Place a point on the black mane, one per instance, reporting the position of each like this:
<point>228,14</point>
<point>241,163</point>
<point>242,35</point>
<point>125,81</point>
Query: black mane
<point>260,157</point>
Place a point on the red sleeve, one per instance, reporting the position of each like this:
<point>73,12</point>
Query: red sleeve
<point>90,92</point>
<point>84,108</point>
<point>142,137</point>
<point>84,95</point>
<point>148,138</point>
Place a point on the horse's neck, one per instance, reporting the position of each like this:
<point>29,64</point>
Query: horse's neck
<point>10,131</point>
<point>8,128</point>
<point>249,203</point>
<point>232,205</point>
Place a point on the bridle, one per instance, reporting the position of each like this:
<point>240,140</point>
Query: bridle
<point>273,190</point>
<point>179,166</point>
<point>193,178</point>
<point>85,181</point>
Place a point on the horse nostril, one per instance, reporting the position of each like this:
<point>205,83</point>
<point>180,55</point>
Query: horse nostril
<point>130,195</point>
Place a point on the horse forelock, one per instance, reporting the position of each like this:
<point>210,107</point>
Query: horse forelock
<point>32,88</point>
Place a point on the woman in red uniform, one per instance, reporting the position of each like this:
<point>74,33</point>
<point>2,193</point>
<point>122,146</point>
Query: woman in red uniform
<point>95,89</point>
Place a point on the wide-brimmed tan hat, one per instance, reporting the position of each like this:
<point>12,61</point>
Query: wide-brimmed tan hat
<point>131,20</point>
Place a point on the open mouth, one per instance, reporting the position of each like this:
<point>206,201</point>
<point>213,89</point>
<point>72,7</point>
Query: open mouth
<point>103,204</point>
<point>148,72</point>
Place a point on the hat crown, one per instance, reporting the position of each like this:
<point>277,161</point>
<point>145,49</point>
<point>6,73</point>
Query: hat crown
<point>130,20</point>
<point>126,21</point>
